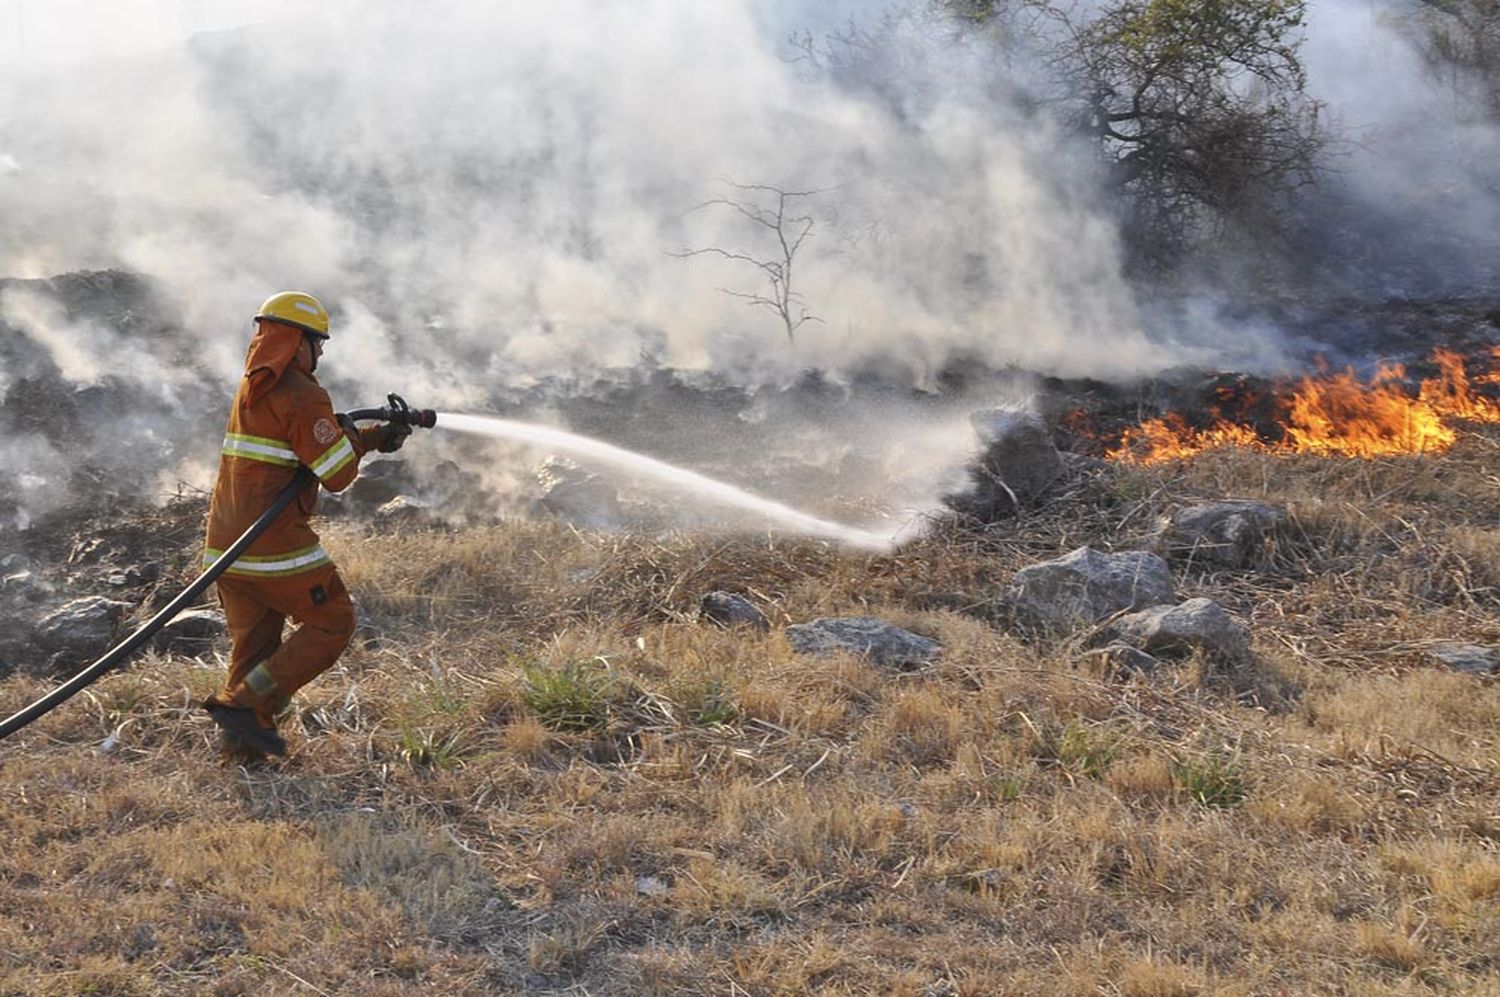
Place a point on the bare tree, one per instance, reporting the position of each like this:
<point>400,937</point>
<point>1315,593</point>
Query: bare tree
<point>770,209</point>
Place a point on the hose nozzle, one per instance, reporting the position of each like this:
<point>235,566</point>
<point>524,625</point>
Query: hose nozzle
<point>396,410</point>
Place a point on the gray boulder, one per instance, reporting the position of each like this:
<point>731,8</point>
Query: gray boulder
<point>403,510</point>
<point>725,609</point>
<point>1471,659</point>
<point>191,633</point>
<point>1019,465</point>
<point>1119,658</point>
<point>81,627</point>
<point>1197,624</point>
<point>576,496</point>
<point>1230,533</point>
<point>883,643</point>
<point>379,481</point>
<point>1086,586</point>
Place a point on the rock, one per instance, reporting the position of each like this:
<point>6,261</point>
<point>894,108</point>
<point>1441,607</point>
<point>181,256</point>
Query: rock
<point>1019,464</point>
<point>81,627</point>
<point>881,642</point>
<point>1471,659</point>
<point>1086,586</point>
<point>458,493</point>
<point>577,496</point>
<point>191,633</point>
<point>403,510</point>
<point>87,550</point>
<point>726,609</point>
<point>1197,624</point>
<point>134,576</point>
<point>378,482</point>
<point>1230,533</point>
<point>650,886</point>
<point>25,586</point>
<point>1119,658</point>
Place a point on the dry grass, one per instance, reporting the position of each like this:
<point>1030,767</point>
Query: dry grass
<point>545,776</point>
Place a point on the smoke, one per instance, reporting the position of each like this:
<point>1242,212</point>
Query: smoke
<point>498,193</point>
<point>492,196</point>
<point>1410,205</point>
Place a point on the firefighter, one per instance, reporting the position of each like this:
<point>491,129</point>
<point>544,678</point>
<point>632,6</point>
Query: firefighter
<point>281,417</point>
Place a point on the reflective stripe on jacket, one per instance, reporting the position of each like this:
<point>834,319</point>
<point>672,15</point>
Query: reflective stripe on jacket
<point>290,423</point>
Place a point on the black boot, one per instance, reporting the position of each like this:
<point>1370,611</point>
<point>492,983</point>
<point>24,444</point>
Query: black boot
<point>240,723</point>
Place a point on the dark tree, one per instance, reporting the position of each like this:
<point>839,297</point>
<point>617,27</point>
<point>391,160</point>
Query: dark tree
<point>1198,107</point>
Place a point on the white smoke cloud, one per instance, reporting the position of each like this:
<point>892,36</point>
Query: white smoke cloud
<point>1414,168</point>
<point>491,194</point>
<point>523,173</point>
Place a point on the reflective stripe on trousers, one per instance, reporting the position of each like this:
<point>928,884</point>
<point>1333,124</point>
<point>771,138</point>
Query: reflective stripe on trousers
<point>272,565</point>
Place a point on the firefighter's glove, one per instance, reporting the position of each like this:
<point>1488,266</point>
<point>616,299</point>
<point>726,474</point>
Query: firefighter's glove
<point>392,436</point>
<point>347,425</point>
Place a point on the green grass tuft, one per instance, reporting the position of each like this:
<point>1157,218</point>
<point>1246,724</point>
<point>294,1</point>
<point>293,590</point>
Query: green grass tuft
<point>571,697</point>
<point>1214,780</point>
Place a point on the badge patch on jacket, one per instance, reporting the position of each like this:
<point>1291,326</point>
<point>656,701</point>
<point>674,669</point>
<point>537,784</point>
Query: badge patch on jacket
<point>325,432</point>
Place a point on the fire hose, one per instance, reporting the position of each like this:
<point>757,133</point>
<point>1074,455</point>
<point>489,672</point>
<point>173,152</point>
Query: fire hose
<point>395,410</point>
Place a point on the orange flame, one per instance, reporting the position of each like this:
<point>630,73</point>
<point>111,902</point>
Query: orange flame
<point>1337,415</point>
<point>1451,394</point>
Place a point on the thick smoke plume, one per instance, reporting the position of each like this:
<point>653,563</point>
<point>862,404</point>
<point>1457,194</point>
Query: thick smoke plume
<point>500,192</point>
<point>493,196</point>
<point>1409,205</point>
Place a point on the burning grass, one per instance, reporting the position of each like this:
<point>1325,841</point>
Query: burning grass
<point>539,773</point>
<point>1332,414</point>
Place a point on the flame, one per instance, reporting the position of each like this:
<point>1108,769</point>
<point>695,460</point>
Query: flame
<point>1451,393</point>
<point>1335,415</point>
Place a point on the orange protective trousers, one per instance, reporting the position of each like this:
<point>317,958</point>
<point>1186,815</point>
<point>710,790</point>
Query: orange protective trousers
<point>264,669</point>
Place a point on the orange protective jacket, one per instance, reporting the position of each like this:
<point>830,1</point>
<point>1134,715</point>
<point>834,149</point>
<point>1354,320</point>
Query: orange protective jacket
<point>282,417</point>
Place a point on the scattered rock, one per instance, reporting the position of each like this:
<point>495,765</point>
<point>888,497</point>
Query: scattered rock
<point>378,482</point>
<point>1086,586</point>
<point>191,633</point>
<point>1119,658</point>
<point>459,493</point>
<point>87,550</point>
<point>883,643</point>
<point>727,610</point>
<point>1471,659</point>
<point>1230,533</point>
<point>650,886</point>
<point>1019,464</point>
<point>576,496</point>
<point>403,510</point>
<point>25,586</point>
<point>134,576</point>
<point>82,627</point>
<point>1197,624</point>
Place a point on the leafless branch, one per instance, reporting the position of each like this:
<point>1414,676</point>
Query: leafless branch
<point>790,232</point>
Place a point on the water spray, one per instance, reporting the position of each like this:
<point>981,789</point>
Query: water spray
<point>681,478</point>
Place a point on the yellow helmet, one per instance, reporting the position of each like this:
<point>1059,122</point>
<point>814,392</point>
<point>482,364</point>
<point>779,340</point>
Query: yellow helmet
<point>296,308</point>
